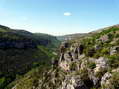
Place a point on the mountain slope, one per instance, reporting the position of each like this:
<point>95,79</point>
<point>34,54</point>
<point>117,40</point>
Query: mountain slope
<point>91,62</point>
<point>21,50</point>
<point>52,41</point>
<point>71,36</point>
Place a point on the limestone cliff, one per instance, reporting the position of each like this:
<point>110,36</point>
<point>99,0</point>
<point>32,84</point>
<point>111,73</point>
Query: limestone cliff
<point>91,62</point>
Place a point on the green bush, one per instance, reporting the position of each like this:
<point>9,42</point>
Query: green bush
<point>117,42</point>
<point>117,35</point>
<point>2,82</point>
<point>91,65</point>
<point>111,36</point>
<point>113,29</point>
<point>90,52</point>
<point>114,61</point>
<point>97,55</point>
<point>84,74</point>
<point>105,51</point>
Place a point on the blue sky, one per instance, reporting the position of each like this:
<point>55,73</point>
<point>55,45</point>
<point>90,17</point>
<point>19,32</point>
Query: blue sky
<point>59,17</point>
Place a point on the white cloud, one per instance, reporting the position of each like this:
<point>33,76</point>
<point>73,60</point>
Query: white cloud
<point>67,14</point>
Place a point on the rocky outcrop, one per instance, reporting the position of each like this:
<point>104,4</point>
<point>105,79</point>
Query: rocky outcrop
<point>104,38</point>
<point>73,82</point>
<point>81,63</point>
<point>105,80</point>
<point>114,50</point>
<point>101,65</point>
<point>85,63</point>
<point>18,44</point>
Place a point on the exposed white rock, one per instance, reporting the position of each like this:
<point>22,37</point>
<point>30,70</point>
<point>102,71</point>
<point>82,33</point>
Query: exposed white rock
<point>93,78</point>
<point>61,57</point>
<point>115,70</point>
<point>81,56</point>
<point>105,79</point>
<point>114,50</point>
<point>104,38</point>
<point>73,82</point>
<point>74,56</point>
<point>64,65</point>
<point>67,57</point>
<point>92,59</point>
<point>101,64</point>
<point>84,64</point>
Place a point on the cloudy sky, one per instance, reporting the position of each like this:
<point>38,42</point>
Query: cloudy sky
<point>59,17</point>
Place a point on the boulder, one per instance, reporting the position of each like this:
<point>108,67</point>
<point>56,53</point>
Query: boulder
<point>101,65</point>
<point>114,50</point>
<point>104,38</point>
<point>115,70</point>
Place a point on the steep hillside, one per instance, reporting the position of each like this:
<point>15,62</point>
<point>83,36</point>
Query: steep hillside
<point>91,62</point>
<point>52,41</point>
<point>20,51</point>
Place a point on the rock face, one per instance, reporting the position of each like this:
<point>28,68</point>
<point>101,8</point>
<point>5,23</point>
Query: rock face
<point>65,65</point>
<point>105,79</point>
<point>104,38</point>
<point>81,64</point>
<point>20,44</point>
<point>114,50</point>
<point>89,76</point>
<point>101,65</point>
<point>84,63</point>
<point>73,82</point>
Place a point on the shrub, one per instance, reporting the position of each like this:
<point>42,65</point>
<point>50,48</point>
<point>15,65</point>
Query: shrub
<point>111,36</point>
<point>90,52</point>
<point>117,35</point>
<point>2,82</point>
<point>117,42</point>
<point>84,74</point>
<point>91,65</point>
<point>115,80</point>
<point>100,74</point>
<point>105,51</point>
<point>114,61</point>
<point>96,55</point>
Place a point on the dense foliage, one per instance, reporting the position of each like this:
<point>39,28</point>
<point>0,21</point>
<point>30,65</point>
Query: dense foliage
<point>21,51</point>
